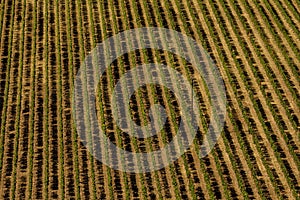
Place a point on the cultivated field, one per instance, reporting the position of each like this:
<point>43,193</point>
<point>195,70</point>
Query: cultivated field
<point>254,44</point>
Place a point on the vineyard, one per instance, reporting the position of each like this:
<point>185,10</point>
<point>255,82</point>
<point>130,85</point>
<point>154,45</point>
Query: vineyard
<point>255,46</point>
